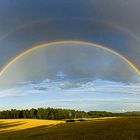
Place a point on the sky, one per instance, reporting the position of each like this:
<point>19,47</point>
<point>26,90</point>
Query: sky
<point>111,84</point>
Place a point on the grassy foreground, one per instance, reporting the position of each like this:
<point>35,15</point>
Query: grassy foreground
<point>126,128</point>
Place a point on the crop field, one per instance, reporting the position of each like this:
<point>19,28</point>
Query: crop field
<point>21,124</point>
<point>123,128</point>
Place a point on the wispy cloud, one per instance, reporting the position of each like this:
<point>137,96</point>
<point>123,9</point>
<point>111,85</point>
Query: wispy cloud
<point>73,87</point>
<point>78,94</point>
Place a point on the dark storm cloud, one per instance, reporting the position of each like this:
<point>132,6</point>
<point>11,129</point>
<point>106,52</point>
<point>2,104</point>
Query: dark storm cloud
<point>38,21</point>
<point>120,11</point>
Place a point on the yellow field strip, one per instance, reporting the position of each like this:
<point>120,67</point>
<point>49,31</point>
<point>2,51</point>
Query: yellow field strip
<point>20,124</point>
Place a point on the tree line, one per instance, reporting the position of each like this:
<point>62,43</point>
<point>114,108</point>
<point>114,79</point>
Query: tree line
<point>58,114</point>
<point>51,113</point>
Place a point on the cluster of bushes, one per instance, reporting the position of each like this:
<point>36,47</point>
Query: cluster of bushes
<point>75,120</point>
<point>96,114</point>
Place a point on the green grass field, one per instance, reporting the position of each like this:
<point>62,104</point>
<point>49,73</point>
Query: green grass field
<point>127,128</point>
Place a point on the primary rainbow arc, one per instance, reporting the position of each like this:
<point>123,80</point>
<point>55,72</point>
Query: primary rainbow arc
<point>65,42</point>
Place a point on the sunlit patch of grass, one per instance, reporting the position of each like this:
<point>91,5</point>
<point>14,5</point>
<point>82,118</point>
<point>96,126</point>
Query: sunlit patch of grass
<point>20,124</point>
<point>90,119</point>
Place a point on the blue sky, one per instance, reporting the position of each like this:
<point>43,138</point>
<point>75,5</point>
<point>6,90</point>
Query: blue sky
<point>94,95</point>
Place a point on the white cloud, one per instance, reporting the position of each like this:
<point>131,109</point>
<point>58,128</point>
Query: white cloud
<point>73,87</point>
<point>77,94</point>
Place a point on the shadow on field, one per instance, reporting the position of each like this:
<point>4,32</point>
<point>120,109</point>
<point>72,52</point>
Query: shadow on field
<point>7,125</point>
<point>111,129</point>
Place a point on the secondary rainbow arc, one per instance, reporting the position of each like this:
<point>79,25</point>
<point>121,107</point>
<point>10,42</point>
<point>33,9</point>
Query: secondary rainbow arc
<point>64,42</point>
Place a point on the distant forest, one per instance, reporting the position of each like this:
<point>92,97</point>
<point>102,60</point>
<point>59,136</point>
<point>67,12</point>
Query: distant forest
<point>58,114</point>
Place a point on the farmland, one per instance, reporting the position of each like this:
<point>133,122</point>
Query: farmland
<point>115,128</point>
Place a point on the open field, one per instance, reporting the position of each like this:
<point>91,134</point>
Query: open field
<point>21,124</point>
<point>126,128</point>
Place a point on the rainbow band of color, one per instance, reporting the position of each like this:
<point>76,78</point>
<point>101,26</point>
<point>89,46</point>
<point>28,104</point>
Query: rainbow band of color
<point>65,42</point>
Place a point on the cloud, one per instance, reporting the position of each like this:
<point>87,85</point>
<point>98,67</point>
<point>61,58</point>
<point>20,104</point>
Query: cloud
<point>121,12</point>
<point>117,87</point>
<point>80,94</point>
<point>64,86</point>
